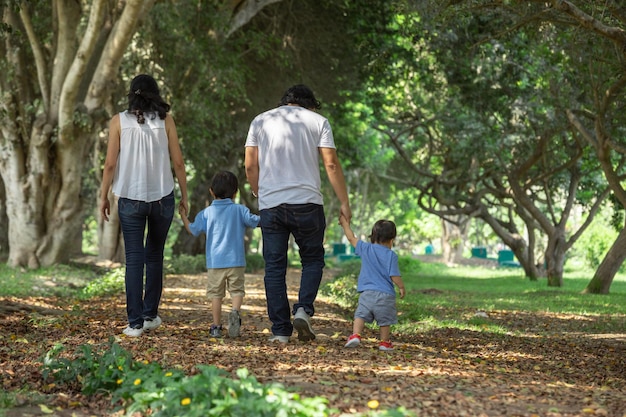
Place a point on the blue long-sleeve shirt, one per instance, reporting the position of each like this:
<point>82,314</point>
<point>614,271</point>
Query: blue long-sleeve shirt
<point>224,224</point>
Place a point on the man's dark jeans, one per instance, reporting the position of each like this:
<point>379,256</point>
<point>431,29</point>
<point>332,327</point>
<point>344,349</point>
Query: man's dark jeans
<point>307,223</point>
<point>134,215</point>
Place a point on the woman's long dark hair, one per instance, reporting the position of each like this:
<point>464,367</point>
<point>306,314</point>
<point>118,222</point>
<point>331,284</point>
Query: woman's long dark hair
<point>144,97</point>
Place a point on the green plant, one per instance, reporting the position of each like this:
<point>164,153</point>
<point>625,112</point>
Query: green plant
<point>409,265</point>
<point>110,283</point>
<point>145,387</point>
<point>94,371</point>
<point>342,290</point>
<point>186,264</point>
<point>254,262</point>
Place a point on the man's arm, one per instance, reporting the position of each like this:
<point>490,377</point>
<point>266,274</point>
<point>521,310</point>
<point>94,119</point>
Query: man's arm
<point>251,163</point>
<point>337,180</point>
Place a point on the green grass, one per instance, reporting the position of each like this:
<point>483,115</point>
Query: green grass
<point>450,297</point>
<point>439,296</point>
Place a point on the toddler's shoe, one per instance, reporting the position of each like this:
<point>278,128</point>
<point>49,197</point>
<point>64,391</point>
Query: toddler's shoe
<point>385,346</point>
<point>216,331</point>
<point>353,341</point>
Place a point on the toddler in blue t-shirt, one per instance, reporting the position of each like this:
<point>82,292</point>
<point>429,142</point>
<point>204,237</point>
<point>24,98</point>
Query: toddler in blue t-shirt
<point>379,273</point>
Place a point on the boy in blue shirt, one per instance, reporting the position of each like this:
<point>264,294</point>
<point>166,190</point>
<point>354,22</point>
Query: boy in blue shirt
<point>379,273</point>
<point>224,224</point>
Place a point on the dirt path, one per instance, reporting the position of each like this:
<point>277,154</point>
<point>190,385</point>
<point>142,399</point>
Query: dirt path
<point>547,368</point>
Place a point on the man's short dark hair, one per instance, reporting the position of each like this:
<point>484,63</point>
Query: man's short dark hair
<point>224,185</point>
<point>301,95</point>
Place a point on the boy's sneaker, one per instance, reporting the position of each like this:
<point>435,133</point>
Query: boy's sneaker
<point>216,331</point>
<point>151,324</point>
<point>385,346</point>
<point>133,331</point>
<point>279,339</point>
<point>302,323</point>
<point>234,323</point>
<point>353,341</point>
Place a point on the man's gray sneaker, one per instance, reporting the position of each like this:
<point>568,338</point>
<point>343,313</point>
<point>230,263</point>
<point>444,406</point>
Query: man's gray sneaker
<point>234,323</point>
<point>302,323</point>
<point>151,324</point>
<point>279,339</point>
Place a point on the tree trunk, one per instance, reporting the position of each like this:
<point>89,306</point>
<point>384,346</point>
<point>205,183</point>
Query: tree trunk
<point>4,224</point>
<point>555,258</point>
<point>453,241</point>
<point>603,278</point>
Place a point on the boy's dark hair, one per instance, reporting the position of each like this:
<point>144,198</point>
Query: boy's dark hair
<point>144,97</point>
<point>301,95</point>
<point>383,231</point>
<point>224,185</point>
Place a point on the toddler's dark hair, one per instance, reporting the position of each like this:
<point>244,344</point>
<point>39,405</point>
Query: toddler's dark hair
<point>224,185</point>
<point>144,97</point>
<point>383,231</point>
<point>301,95</point>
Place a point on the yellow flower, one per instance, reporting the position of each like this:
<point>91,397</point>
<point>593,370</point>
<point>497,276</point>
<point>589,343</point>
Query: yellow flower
<point>185,401</point>
<point>119,381</point>
<point>373,404</point>
<point>137,381</point>
<point>120,367</point>
<point>146,361</point>
<point>168,374</point>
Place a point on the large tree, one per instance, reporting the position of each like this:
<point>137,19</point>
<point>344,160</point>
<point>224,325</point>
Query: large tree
<point>60,61</point>
<point>61,65</point>
<point>597,56</point>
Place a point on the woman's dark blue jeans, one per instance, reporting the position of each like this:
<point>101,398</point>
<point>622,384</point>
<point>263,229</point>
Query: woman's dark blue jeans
<point>307,224</point>
<point>144,249</point>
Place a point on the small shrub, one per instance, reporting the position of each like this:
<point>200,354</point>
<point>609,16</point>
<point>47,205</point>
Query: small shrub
<point>145,387</point>
<point>343,291</point>
<point>110,283</point>
<point>186,264</point>
<point>254,262</point>
<point>409,265</point>
<point>93,371</point>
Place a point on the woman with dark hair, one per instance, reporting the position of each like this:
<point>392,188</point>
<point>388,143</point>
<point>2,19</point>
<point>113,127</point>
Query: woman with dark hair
<point>143,147</point>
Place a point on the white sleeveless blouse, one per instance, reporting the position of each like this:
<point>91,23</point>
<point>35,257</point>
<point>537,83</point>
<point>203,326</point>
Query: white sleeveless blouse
<point>143,172</point>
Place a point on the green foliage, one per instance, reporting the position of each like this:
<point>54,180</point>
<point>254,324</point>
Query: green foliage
<point>254,262</point>
<point>60,280</point>
<point>94,371</point>
<point>145,386</point>
<point>596,244</point>
<point>409,265</point>
<point>186,264</point>
<point>110,283</point>
<point>343,288</point>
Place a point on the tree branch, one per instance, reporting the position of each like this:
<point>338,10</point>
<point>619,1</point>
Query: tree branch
<point>40,62</point>
<point>244,11</point>
<point>76,71</point>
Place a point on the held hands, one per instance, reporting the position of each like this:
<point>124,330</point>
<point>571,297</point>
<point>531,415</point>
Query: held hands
<point>182,209</point>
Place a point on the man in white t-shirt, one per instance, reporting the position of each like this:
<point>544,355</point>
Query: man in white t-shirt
<point>282,156</point>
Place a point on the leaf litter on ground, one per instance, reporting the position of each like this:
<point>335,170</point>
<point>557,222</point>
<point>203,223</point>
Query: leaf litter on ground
<point>548,367</point>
